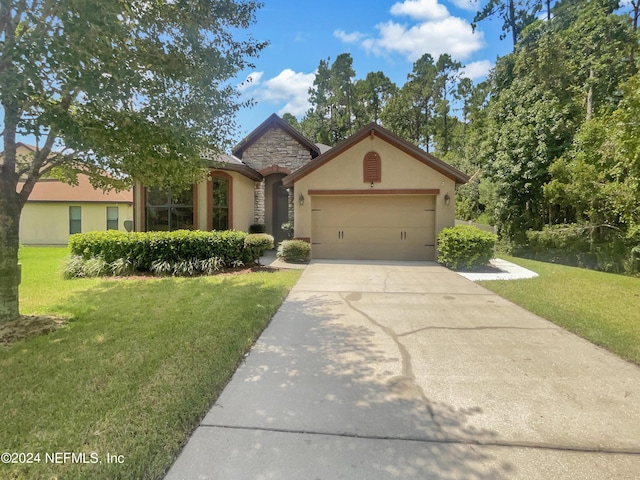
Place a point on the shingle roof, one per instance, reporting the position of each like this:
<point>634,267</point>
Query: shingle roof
<point>224,161</point>
<point>52,190</point>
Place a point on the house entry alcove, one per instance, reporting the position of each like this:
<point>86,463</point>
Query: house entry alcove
<point>276,206</point>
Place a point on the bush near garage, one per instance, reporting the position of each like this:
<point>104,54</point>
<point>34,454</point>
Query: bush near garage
<point>465,247</point>
<point>294,250</point>
<point>181,252</point>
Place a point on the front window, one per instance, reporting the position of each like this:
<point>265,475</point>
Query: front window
<point>168,210</point>
<point>220,203</point>
<point>75,220</point>
<point>112,218</point>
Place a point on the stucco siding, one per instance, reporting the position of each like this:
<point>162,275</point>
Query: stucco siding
<point>243,204</point>
<point>400,171</point>
<point>44,223</point>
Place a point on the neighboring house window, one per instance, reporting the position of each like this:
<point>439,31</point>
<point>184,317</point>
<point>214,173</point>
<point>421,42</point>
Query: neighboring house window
<point>371,167</point>
<point>112,218</point>
<point>75,220</point>
<point>167,210</point>
<point>220,200</point>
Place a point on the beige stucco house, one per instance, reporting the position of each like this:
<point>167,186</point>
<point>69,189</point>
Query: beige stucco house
<point>55,210</point>
<point>373,196</point>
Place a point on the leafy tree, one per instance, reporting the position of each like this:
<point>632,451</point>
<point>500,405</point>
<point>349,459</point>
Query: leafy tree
<point>410,113</point>
<point>464,93</point>
<point>598,46</point>
<point>515,14</point>
<point>316,122</point>
<point>332,99</point>
<point>291,120</point>
<point>527,129</point>
<point>597,182</point>
<point>373,94</point>
<point>445,83</point>
<point>343,97</point>
<point>128,88</point>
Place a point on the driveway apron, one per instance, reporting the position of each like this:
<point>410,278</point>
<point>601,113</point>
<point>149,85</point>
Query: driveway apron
<point>407,370</point>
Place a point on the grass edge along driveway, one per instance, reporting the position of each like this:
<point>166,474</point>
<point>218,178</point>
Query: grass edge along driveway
<point>603,308</point>
<point>131,375</point>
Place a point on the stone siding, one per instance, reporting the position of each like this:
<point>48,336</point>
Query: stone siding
<point>276,147</point>
<point>258,198</point>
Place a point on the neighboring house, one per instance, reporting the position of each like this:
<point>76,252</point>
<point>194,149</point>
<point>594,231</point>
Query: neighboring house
<point>56,210</point>
<point>372,196</point>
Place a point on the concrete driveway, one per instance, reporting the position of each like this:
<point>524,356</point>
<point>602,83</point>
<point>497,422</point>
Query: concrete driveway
<point>406,370</point>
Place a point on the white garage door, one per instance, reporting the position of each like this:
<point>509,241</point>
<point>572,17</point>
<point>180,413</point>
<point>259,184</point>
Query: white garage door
<point>373,227</point>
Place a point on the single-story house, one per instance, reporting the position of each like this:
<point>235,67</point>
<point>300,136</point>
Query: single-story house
<point>372,196</point>
<point>56,209</point>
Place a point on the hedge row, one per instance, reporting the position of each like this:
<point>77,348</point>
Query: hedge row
<point>144,249</point>
<point>583,246</point>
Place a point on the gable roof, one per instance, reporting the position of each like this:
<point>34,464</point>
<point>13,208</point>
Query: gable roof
<point>274,121</point>
<point>391,138</point>
<point>53,190</point>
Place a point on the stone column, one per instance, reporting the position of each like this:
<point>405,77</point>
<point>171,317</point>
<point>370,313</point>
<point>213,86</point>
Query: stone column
<point>258,205</point>
<point>291,199</point>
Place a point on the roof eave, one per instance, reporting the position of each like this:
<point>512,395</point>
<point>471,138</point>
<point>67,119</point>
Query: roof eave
<point>456,175</point>
<point>274,120</point>
<point>243,169</point>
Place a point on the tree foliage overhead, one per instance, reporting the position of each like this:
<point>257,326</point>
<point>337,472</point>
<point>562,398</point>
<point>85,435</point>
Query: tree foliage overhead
<point>114,88</point>
<point>515,15</point>
<point>131,87</point>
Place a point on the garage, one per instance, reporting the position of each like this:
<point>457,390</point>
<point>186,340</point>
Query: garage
<point>374,196</point>
<point>373,227</point>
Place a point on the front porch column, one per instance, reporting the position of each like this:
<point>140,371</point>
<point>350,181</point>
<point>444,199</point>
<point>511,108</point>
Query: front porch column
<point>258,198</point>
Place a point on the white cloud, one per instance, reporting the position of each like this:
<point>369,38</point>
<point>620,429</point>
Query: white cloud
<point>252,80</point>
<point>348,37</point>
<point>289,87</point>
<point>433,30</point>
<point>420,9</point>
<point>451,35</point>
<point>476,70</point>
<point>470,5</point>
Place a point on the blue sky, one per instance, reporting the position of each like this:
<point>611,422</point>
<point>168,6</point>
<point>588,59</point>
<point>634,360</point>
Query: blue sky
<point>380,35</point>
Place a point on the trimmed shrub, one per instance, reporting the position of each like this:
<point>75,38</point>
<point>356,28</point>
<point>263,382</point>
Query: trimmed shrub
<point>294,250</point>
<point>256,244</point>
<point>465,247</point>
<point>257,228</point>
<point>141,249</point>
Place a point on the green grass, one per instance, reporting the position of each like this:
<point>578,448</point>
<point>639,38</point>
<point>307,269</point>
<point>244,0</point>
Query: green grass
<point>603,308</point>
<point>132,373</point>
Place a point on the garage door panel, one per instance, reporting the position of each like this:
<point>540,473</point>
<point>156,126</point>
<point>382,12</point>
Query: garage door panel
<point>391,228</point>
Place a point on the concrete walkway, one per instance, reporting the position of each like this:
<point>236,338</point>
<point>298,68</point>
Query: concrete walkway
<point>375,370</point>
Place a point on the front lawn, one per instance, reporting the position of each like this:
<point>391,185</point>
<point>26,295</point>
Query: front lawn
<point>602,307</point>
<point>131,374</point>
